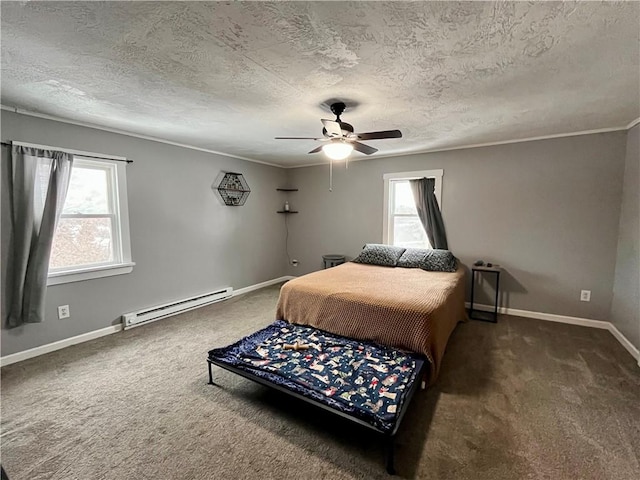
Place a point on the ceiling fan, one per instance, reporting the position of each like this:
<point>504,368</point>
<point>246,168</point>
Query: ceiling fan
<point>339,138</point>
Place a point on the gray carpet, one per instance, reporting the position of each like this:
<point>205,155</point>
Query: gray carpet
<point>523,399</point>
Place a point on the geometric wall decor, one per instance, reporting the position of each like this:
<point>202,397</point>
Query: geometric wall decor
<point>234,189</point>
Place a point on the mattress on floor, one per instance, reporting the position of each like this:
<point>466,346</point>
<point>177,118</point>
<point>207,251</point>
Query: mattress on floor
<point>361,379</point>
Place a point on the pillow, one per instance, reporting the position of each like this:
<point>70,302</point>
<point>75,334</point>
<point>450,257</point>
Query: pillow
<point>435,260</point>
<point>412,258</point>
<point>377,254</point>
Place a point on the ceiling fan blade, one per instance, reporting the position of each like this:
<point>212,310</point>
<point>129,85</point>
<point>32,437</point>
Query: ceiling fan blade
<point>299,138</point>
<point>362,148</point>
<point>316,150</point>
<point>333,128</point>
<point>379,135</point>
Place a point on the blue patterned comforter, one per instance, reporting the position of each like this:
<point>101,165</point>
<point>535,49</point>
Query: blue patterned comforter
<point>361,379</point>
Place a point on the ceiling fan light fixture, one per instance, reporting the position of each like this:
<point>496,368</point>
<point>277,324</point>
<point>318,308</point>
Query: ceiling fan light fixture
<point>337,150</point>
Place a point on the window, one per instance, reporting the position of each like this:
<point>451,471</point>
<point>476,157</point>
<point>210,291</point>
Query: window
<point>402,226</point>
<point>92,235</point>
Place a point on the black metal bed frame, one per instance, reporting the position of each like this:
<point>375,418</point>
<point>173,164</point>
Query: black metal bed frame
<point>388,436</point>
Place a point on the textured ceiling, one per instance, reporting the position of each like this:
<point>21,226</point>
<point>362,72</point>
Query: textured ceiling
<point>231,76</point>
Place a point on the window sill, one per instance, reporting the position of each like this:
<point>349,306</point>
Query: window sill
<point>58,278</point>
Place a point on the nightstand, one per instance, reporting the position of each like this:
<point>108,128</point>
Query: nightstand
<point>332,260</point>
<point>481,314</point>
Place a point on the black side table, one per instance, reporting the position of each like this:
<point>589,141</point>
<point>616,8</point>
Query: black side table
<point>332,260</point>
<point>492,316</point>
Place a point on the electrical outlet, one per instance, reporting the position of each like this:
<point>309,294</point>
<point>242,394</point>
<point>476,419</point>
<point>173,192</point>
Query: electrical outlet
<point>294,262</point>
<point>63,311</point>
<point>585,296</point>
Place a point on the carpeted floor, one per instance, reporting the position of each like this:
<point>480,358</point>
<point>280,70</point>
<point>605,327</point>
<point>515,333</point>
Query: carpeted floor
<point>523,399</point>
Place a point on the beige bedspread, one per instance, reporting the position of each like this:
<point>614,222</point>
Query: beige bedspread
<point>405,308</point>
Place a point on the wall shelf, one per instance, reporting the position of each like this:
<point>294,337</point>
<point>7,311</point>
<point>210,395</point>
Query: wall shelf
<point>286,204</point>
<point>234,189</point>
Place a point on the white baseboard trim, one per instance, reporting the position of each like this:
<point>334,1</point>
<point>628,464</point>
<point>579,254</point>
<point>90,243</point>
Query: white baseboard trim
<point>625,342</point>
<point>52,347</point>
<point>85,337</point>
<point>258,286</point>
<point>552,317</point>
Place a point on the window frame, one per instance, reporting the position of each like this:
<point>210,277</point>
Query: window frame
<point>122,238</point>
<point>387,218</point>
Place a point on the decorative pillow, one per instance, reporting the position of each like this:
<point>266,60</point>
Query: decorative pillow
<point>440,261</point>
<point>377,254</point>
<point>431,260</point>
<point>413,258</point>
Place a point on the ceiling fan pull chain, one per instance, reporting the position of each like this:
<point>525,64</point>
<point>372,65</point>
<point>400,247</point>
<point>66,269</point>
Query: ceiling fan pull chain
<point>331,175</point>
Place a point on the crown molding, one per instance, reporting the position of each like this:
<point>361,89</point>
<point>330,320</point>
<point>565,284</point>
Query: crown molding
<point>481,145</point>
<point>130,134</point>
<point>633,123</point>
<point>326,162</point>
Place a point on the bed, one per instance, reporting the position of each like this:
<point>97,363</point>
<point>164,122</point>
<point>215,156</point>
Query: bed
<point>351,338</point>
<point>364,383</point>
<point>405,308</point>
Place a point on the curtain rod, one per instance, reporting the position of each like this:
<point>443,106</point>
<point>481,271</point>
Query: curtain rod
<point>73,152</point>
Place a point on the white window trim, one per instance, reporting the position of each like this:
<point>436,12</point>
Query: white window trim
<point>89,273</point>
<point>388,177</point>
<point>122,205</point>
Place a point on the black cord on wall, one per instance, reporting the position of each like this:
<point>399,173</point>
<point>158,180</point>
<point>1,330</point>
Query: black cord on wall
<point>286,238</point>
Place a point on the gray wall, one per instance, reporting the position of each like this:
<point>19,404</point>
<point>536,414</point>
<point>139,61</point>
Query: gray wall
<point>625,309</point>
<point>546,210</point>
<point>184,241</point>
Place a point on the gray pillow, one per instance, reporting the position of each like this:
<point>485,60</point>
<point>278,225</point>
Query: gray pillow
<point>431,260</point>
<point>378,254</point>
<point>413,258</point>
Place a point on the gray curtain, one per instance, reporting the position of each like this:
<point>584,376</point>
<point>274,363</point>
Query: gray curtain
<point>38,181</point>
<point>429,212</point>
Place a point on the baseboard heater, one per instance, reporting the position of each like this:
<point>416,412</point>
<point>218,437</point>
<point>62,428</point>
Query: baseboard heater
<point>135,319</point>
